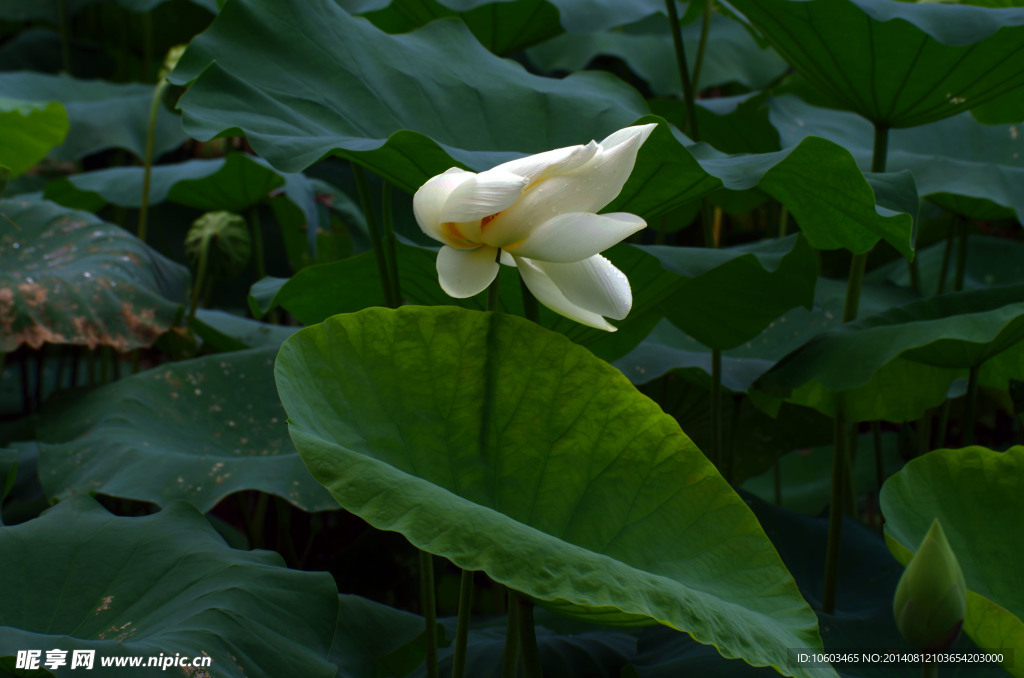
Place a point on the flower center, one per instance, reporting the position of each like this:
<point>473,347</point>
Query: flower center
<point>486,220</point>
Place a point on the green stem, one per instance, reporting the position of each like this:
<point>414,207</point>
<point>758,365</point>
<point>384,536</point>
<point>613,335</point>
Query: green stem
<point>943,424</point>
<point>258,520</point>
<point>204,259</point>
<point>716,406</point>
<point>462,627</point>
<point>876,437</point>
<point>531,310</point>
<point>390,243</point>
<point>375,236</point>
<point>783,221</point>
<point>961,257</point>
<point>429,606</point>
<point>853,287</point>
<point>494,290</point>
<point>702,46</point>
<point>510,659</point>
<point>257,243</point>
<point>972,403</point>
<point>947,254</point>
<point>147,172</point>
<point>684,71</point>
<point>924,433</point>
<point>528,639</point>
<point>929,670</point>
<point>835,515</point>
<point>64,26</point>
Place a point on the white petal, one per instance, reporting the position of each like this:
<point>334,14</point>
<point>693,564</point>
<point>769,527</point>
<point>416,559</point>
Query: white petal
<point>593,284</point>
<point>548,294</point>
<point>558,161</point>
<point>429,200</point>
<point>587,188</point>
<point>575,236</point>
<point>463,273</point>
<point>482,195</point>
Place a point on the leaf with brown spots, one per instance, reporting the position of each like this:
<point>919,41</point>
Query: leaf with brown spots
<point>67,277</point>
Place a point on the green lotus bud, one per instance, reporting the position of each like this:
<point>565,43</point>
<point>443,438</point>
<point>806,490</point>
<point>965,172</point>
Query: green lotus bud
<point>229,243</point>
<point>931,597</point>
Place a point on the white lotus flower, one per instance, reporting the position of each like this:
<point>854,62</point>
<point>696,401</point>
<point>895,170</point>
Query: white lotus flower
<point>538,214</point>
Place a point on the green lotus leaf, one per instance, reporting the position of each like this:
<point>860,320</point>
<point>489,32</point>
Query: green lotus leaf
<point>476,111</point>
<point>32,128</point>
<point>68,278</point>
<point>646,47</point>
<point>79,578</point>
<point>897,64</point>
<point>181,432</point>
<point>233,183</point>
<point>977,494</point>
<point>972,169</point>
<point>102,115</point>
<point>439,423</point>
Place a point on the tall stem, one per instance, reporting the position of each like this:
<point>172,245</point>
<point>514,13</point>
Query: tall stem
<point>429,605</point>
<point>375,237</point>
<point>510,658</point>
<point>929,670</point>
<point>528,639</point>
<point>147,172</point>
<point>835,514</point>
<point>684,72</point>
<point>702,46</point>
<point>961,257</point>
<point>947,254</point>
<point>390,244</point>
<point>972,403</point>
<point>462,627</point>
<point>716,407</point>
<point>64,26</point>
<point>204,258</point>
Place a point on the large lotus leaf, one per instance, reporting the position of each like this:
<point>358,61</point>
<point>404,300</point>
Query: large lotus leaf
<point>31,129</point>
<point>956,157</point>
<point>863,622</point>
<point>103,115</point>
<point>506,448</point>
<point>233,183</point>
<point>978,496</point>
<point>49,10</point>
<point>959,330</point>
<point>726,297</point>
<point>418,112</point>
<point>576,16</point>
<point>991,262</point>
<point>897,64</point>
<point>79,578</point>
<point>181,432</point>
<point>68,278</point>
<point>647,48</point>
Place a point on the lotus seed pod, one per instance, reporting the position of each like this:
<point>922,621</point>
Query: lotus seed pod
<point>931,597</point>
<point>229,243</point>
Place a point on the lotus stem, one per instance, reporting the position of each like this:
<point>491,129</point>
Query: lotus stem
<point>929,670</point>
<point>147,161</point>
<point>528,639</point>
<point>783,221</point>
<point>429,605</point>
<point>531,310</point>
<point>493,290</point>
<point>689,95</point>
<point>204,261</point>
<point>940,433</point>
<point>390,244</point>
<point>835,515</point>
<point>702,45</point>
<point>947,253</point>
<point>961,257</point>
<point>64,26</point>
<point>716,407</point>
<point>375,236</point>
<point>972,403</point>
<point>462,627</point>
<point>510,658</point>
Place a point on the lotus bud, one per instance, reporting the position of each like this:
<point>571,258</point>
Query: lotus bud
<point>931,597</point>
<point>226,236</point>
